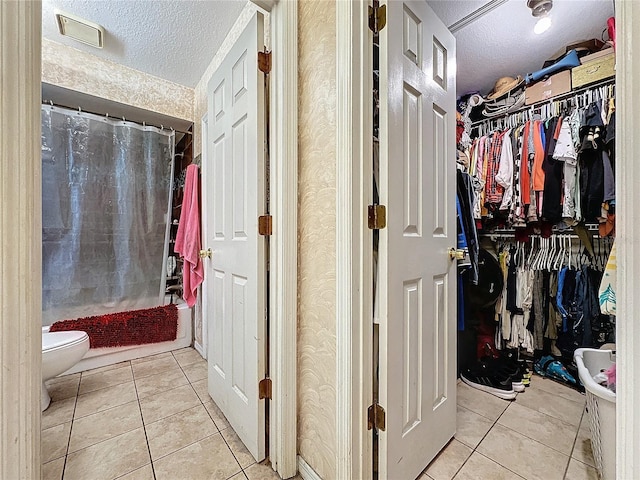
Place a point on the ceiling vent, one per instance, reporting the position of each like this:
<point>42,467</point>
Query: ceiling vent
<point>80,29</point>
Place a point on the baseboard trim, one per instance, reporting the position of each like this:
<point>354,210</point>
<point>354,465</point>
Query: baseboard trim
<point>199,349</point>
<point>305,471</point>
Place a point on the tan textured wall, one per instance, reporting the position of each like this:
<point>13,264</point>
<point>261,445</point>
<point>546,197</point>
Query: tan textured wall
<point>83,72</point>
<point>317,236</point>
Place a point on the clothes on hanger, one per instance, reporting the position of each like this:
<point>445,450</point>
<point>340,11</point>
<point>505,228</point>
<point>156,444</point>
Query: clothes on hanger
<point>549,302</point>
<point>558,170</point>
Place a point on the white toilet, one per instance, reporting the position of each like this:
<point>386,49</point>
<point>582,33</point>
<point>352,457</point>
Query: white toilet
<point>60,352</point>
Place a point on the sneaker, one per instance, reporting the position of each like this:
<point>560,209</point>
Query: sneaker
<point>548,366</point>
<point>503,368</point>
<point>510,359</point>
<point>518,387</point>
<point>480,377</point>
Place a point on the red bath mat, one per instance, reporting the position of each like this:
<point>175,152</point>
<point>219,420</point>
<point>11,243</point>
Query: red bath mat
<point>136,327</point>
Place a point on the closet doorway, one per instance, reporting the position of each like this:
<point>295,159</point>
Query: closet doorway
<point>361,442</point>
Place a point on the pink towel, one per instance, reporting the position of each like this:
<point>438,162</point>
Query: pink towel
<point>188,237</point>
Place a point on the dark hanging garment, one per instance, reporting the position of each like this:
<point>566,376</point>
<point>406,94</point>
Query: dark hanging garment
<point>512,284</point>
<point>465,198</point>
<point>591,164</point>
<point>582,323</point>
<point>553,172</point>
<point>591,184</point>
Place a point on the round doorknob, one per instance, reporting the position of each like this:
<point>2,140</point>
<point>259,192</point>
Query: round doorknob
<point>206,253</point>
<point>457,253</point>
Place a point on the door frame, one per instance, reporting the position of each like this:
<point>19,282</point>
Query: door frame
<point>283,252</point>
<point>628,232</point>
<point>204,344</point>
<point>354,275</point>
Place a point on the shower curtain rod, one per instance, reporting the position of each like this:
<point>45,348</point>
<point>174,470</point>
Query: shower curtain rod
<point>106,115</point>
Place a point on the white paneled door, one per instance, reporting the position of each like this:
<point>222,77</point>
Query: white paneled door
<point>233,184</point>
<point>418,280</point>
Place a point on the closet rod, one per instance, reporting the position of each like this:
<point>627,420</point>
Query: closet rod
<point>510,236</point>
<point>505,232</point>
<point>106,115</point>
<point>558,98</point>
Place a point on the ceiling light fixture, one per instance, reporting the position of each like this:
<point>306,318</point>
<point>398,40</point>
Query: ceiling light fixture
<point>80,29</point>
<point>542,25</point>
<point>541,8</point>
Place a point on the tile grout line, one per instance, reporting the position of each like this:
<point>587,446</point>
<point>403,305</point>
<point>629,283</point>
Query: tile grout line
<point>483,437</point>
<point>219,432</point>
<point>185,446</point>
<point>73,419</point>
<point>497,463</point>
<point>212,419</point>
<point>201,402</point>
<point>541,443</point>
<point>573,447</point>
<point>144,427</point>
<point>496,423</point>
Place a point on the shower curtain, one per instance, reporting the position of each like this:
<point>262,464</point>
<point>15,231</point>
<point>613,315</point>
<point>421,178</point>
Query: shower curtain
<point>105,208</point>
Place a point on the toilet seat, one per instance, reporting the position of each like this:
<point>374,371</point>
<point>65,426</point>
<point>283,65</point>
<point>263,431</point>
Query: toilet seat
<point>56,340</point>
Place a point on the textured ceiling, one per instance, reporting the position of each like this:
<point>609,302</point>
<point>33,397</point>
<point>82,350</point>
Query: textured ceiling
<point>450,11</point>
<point>174,40</point>
<point>502,43</point>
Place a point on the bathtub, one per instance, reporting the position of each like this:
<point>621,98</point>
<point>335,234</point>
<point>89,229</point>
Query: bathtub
<point>101,357</point>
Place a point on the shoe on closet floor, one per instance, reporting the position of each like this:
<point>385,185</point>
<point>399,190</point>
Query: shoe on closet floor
<point>482,378</point>
<point>509,361</point>
<point>548,366</point>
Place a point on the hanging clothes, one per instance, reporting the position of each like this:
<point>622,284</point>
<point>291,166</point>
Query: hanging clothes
<point>553,174</point>
<point>464,199</point>
<point>546,172</point>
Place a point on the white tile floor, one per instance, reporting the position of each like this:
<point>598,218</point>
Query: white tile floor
<point>152,418</point>
<point>542,435</point>
<point>147,419</point>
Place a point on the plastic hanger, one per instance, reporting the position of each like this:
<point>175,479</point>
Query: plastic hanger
<point>531,250</point>
<point>560,260</point>
<point>551,254</point>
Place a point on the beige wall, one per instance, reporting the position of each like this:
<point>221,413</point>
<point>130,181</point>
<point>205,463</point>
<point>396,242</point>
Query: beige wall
<point>83,72</point>
<point>317,236</point>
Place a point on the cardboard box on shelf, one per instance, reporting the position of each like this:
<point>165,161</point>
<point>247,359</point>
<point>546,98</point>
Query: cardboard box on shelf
<point>544,89</point>
<point>594,70</point>
<point>593,56</point>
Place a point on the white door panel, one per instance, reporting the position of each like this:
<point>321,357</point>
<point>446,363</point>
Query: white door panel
<point>417,278</point>
<point>234,301</point>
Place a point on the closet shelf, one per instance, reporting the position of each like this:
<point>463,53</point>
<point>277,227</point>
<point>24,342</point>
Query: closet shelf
<point>565,96</point>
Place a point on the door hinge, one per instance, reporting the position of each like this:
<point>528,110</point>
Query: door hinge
<point>377,216</point>
<point>264,62</point>
<point>376,417</point>
<point>265,225</point>
<point>377,18</point>
<point>264,388</point>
